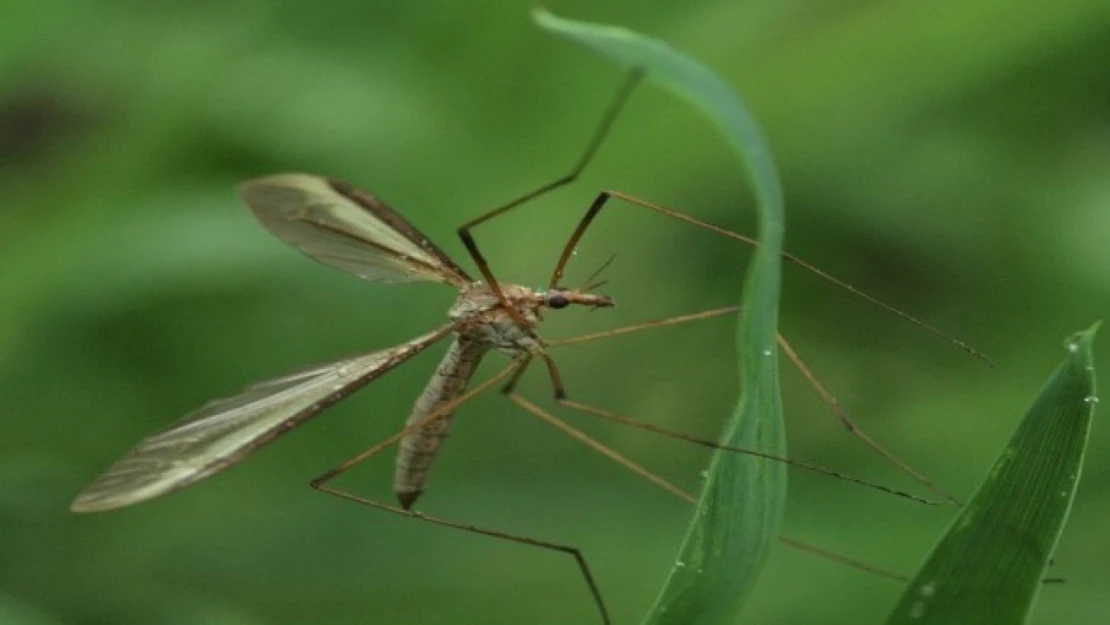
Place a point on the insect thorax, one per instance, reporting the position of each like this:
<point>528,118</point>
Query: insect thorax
<point>487,323</point>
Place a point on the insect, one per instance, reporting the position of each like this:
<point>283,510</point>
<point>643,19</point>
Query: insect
<point>346,228</point>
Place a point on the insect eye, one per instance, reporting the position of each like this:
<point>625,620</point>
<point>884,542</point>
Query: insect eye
<point>558,300</point>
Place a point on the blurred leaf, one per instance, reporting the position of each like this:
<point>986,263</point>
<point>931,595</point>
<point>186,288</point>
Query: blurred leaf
<point>15,612</point>
<point>990,565</point>
<point>207,612</point>
<point>324,118</point>
<point>740,510</point>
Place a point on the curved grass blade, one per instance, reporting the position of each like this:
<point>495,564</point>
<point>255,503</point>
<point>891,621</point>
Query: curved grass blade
<point>991,563</point>
<point>740,511</point>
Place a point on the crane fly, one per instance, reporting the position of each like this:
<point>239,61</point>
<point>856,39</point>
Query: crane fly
<point>341,226</point>
<point>344,227</point>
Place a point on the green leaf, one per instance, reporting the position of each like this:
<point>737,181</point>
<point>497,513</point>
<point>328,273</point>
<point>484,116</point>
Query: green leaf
<point>740,510</point>
<point>991,562</point>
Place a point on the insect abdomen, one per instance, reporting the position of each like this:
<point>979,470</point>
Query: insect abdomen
<point>419,448</point>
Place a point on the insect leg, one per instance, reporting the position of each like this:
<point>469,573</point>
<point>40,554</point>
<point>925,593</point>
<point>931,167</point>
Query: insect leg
<point>617,418</point>
<point>838,410</point>
<point>646,325</point>
<point>571,550</point>
<point>826,396</point>
<point>511,384</point>
<point>663,483</point>
<point>603,198</point>
<point>441,410</point>
<point>609,415</point>
<point>850,424</point>
<point>320,483</point>
<point>602,130</point>
<point>552,372</point>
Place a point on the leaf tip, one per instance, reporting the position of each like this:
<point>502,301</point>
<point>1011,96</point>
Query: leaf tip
<point>542,16</point>
<point>1081,341</point>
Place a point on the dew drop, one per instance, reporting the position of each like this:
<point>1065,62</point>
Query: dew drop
<point>679,564</point>
<point>766,352</point>
<point>574,252</point>
<point>917,610</point>
<point>1072,346</point>
<point>704,474</point>
<point>1091,399</point>
<point>929,589</point>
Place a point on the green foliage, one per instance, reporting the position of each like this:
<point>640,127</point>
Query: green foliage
<point>994,558</point>
<point>739,514</point>
<point>944,156</point>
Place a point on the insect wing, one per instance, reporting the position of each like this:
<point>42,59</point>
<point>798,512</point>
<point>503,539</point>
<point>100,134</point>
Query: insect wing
<point>341,226</point>
<point>227,430</point>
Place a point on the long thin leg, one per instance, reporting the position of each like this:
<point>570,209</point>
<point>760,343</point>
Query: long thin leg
<point>830,400</point>
<point>837,409</point>
<point>836,557</point>
<point>320,483</point>
<point>600,132</point>
<point>604,196</point>
<point>571,550</point>
<point>552,372</point>
<point>445,408</point>
<point>596,140</point>
<point>850,425</point>
<point>511,384</point>
<point>609,415</point>
<point>668,486</point>
<point>510,388</point>
<point>646,325</point>
<point>604,450</point>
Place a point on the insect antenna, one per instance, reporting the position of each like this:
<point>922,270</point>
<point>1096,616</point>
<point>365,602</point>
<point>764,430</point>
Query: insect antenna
<point>590,283</point>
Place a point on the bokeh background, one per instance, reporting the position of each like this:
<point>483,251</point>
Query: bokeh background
<point>948,156</point>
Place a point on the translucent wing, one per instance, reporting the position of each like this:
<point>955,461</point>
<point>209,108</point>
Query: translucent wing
<point>346,228</point>
<point>227,430</point>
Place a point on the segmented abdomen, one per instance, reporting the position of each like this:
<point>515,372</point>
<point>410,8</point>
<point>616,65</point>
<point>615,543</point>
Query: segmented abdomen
<point>419,448</point>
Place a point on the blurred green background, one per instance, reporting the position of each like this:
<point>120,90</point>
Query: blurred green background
<point>947,156</point>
